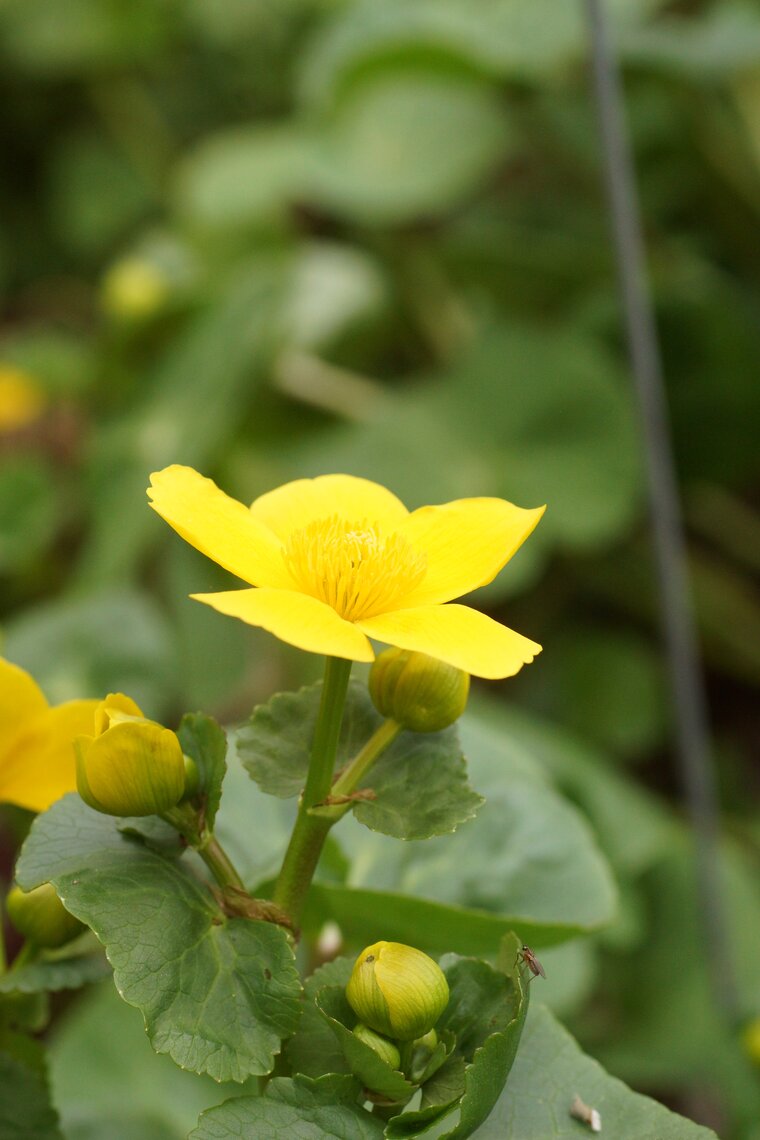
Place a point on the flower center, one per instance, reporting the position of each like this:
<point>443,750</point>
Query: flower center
<point>353,567</point>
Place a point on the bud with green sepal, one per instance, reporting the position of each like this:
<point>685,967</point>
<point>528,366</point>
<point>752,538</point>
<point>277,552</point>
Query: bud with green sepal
<point>131,766</point>
<point>397,991</point>
<point>416,691</point>
<point>192,779</point>
<point>384,1048</point>
<point>41,917</point>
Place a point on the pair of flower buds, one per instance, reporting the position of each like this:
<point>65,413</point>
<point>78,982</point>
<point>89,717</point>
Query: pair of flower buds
<point>398,993</point>
<point>134,766</point>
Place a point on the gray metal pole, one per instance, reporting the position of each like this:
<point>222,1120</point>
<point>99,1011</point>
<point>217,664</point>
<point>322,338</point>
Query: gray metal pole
<point>687,684</point>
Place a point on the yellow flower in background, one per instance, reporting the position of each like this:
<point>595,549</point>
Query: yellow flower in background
<point>21,399</point>
<point>336,560</point>
<point>37,764</point>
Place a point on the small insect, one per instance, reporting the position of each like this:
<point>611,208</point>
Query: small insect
<point>527,956</point>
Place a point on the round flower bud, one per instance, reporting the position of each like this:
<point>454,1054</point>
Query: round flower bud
<point>132,766</point>
<point>417,691</point>
<point>382,1046</point>
<point>41,916</point>
<point>397,991</point>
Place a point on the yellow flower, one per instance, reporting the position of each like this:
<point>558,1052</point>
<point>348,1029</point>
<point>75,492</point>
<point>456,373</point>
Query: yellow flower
<point>22,400</point>
<point>337,560</point>
<point>36,741</point>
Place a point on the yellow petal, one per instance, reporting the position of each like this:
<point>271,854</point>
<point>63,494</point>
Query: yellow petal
<point>467,542</point>
<point>114,703</point>
<point>20,700</point>
<point>299,619</point>
<point>463,637</point>
<point>38,767</point>
<point>294,505</point>
<point>218,526</point>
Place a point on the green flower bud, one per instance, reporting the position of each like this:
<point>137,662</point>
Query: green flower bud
<point>192,778</point>
<point>382,1046</point>
<point>132,766</point>
<point>41,916</point>
<point>417,691</point>
<point>397,991</point>
<point>416,1054</point>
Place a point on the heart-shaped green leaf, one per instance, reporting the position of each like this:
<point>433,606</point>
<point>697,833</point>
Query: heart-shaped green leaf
<point>217,994</point>
<point>419,785</point>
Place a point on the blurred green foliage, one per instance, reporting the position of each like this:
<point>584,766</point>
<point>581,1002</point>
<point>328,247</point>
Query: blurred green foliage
<point>273,240</point>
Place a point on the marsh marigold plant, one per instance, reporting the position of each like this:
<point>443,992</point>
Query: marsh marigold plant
<point>334,561</point>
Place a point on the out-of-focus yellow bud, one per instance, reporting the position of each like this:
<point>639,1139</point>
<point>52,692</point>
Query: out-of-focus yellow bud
<point>382,1046</point>
<point>41,916</point>
<point>751,1040</point>
<point>131,766</point>
<point>397,991</point>
<point>417,691</point>
<point>22,400</point>
<point>134,289</point>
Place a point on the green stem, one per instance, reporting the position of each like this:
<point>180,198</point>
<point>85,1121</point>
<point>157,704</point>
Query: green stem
<point>185,819</point>
<point>219,863</point>
<point>310,831</point>
<point>349,778</point>
<point>26,954</point>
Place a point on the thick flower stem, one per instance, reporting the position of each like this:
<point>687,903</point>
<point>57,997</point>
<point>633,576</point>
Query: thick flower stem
<point>310,831</point>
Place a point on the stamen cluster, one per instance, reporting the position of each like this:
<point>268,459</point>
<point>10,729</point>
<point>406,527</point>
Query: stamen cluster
<point>352,566</point>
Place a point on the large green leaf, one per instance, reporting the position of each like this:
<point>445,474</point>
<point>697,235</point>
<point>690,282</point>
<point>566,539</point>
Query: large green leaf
<point>549,1071</point>
<point>55,973</point>
<point>495,37</point>
<point>409,142</point>
<point>498,736</point>
<point>108,641</point>
<point>245,176</point>
<point>530,864</point>
<point>314,1049</point>
<point>102,1036</point>
<point>310,1109</point>
<point>419,782</point>
<point>217,994</point>
<point>371,915</point>
<point>25,1109</point>
<point>568,410</point>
